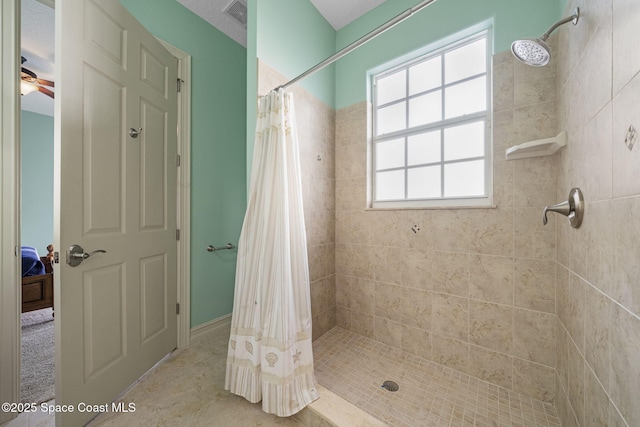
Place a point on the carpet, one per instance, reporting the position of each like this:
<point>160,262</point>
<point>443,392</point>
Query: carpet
<point>38,357</point>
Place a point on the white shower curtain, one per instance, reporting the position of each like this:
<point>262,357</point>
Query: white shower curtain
<point>270,356</point>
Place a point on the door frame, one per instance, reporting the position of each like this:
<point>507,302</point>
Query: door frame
<point>10,121</point>
<point>184,193</point>
<point>9,204</point>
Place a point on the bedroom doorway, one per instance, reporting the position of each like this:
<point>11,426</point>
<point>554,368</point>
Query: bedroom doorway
<point>183,60</point>
<point>37,320</point>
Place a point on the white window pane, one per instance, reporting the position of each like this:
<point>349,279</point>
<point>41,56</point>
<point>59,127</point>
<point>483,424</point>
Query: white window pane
<point>423,148</point>
<point>424,182</point>
<point>465,61</point>
<point>425,109</point>
<point>390,185</point>
<point>462,142</point>
<point>425,75</point>
<point>392,118</point>
<point>464,179</point>
<point>466,98</point>
<point>390,154</point>
<point>392,88</point>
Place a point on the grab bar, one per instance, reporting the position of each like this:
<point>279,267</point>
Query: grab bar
<point>212,248</point>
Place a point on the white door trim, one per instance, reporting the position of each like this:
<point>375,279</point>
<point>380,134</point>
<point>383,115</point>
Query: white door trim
<point>9,204</point>
<point>184,193</point>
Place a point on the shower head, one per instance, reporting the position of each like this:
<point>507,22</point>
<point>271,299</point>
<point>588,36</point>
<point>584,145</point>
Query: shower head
<point>535,52</point>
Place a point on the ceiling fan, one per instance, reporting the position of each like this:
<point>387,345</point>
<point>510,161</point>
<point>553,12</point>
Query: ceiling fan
<point>30,82</point>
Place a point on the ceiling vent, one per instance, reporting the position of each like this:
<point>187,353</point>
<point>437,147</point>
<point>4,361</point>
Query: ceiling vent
<point>238,12</point>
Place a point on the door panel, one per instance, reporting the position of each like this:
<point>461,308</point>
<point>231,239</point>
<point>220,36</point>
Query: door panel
<point>115,310</point>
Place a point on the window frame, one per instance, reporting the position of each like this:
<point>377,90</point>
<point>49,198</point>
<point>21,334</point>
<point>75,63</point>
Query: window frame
<point>484,200</point>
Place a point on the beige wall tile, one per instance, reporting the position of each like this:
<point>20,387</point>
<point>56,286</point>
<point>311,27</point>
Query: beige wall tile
<point>417,268</point>
<point>352,228</point>
<point>491,366</point>
<point>597,411</point>
<point>450,316</point>
<point>600,245</point>
<point>562,355</point>
<point>534,122</point>
<point>491,279</point>
<point>387,264</point>
<point>626,62</point>
<point>532,239</point>
<point>576,382</point>
<point>354,260</point>
<point>492,232</point>
<point>450,352</point>
<point>416,341</point>
<point>320,227</point>
<point>363,295</point>
<point>598,184</point>
<point>576,310</point>
<point>449,230</point>
<point>343,317</point>
<point>534,336</point>
<point>533,379</point>
<point>491,326</point>
<point>388,227</point>
<point>416,308</point>
<point>533,85</point>
<point>351,161</point>
<point>627,163</point>
<point>598,333</point>
<point>565,413</point>
<point>625,369</point>
<point>362,324</point>
<point>451,273</point>
<point>503,81</point>
<point>389,301</point>
<point>626,252</point>
<point>388,332</point>
<point>351,194</point>
<point>534,182</point>
<point>535,284</point>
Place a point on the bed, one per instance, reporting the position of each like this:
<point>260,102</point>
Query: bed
<point>37,280</point>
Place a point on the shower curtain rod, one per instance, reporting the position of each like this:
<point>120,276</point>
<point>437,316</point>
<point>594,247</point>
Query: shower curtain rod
<point>356,44</point>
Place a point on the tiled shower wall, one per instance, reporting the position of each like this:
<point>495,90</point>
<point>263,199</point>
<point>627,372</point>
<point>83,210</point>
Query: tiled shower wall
<point>598,351</point>
<point>472,289</point>
<point>316,130</point>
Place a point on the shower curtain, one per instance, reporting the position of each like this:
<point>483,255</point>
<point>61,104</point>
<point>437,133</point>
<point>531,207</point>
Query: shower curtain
<point>270,356</point>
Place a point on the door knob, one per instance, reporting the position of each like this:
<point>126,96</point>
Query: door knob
<point>133,132</point>
<point>75,255</point>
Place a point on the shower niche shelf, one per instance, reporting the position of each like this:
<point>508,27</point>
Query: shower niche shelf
<point>537,148</point>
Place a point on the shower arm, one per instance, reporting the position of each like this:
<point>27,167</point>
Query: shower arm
<point>574,18</point>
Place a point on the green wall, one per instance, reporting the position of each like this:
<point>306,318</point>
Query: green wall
<point>37,181</point>
<point>512,19</point>
<point>291,36</point>
<point>218,147</point>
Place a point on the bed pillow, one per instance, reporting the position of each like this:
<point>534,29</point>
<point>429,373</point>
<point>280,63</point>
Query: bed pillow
<point>31,264</point>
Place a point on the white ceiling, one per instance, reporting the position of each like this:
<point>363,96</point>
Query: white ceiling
<point>38,33</point>
<point>339,13</point>
<point>38,48</point>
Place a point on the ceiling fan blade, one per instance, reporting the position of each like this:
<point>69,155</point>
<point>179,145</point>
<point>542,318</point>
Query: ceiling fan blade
<point>45,91</point>
<point>45,82</point>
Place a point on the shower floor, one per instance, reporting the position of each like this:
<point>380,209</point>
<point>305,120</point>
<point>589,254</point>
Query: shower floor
<point>354,367</point>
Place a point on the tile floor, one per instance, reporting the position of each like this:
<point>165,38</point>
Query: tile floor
<point>187,389</point>
<point>354,367</point>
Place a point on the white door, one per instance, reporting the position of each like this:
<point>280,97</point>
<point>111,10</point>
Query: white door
<point>115,311</point>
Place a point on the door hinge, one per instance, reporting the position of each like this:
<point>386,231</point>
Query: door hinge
<point>178,234</point>
<point>180,81</point>
<point>177,308</point>
<point>178,160</point>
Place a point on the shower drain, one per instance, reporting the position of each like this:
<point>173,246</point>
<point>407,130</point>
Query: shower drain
<point>390,385</point>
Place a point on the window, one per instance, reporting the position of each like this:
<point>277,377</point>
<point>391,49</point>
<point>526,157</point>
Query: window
<point>431,143</point>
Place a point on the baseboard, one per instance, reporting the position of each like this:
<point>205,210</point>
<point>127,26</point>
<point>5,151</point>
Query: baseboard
<point>211,326</point>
